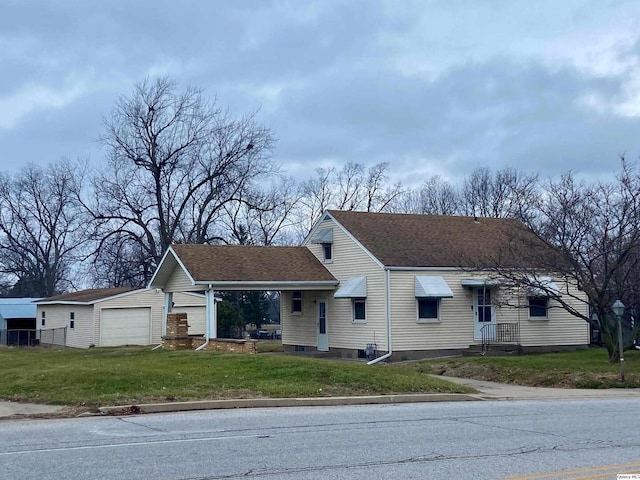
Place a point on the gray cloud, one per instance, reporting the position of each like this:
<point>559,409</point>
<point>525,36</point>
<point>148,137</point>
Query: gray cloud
<point>427,87</point>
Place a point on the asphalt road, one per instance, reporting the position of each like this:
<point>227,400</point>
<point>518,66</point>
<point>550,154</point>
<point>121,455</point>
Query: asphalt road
<point>461,440</point>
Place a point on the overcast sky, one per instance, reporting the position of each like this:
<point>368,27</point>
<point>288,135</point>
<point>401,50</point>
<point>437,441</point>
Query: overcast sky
<point>433,87</point>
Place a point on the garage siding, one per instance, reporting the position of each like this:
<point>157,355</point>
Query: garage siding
<point>58,316</point>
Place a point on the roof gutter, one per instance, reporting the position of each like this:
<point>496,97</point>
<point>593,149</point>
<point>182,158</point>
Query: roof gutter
<point>389,343</point>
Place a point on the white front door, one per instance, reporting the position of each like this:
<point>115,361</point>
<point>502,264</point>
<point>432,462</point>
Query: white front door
<point>484,313</point>
<point>323,335</point>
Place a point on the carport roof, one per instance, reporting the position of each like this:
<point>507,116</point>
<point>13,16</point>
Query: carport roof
<point>245,267</point>
<point>17,308</point>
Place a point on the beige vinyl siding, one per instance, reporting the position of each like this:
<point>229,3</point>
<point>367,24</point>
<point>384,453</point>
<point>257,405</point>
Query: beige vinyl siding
<point>349,259</point>
<point>195,318</point>
<point>57,316</point>
<point>559,328</point>
<point>453,331</point>
<point>195,308</point>
<point>179,282</point>
<point>302,329</point>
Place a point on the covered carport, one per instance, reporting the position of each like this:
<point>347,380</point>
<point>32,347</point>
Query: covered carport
<point>17,321</point>
<point>218,268</point>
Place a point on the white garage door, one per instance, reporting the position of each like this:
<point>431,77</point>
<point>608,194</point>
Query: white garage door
<point>125,326</point>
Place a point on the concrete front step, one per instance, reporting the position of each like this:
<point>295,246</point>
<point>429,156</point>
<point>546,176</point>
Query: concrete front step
<point>495,349</point>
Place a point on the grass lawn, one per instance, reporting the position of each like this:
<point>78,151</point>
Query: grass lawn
<point>115,376</point>
<point>578,369</point>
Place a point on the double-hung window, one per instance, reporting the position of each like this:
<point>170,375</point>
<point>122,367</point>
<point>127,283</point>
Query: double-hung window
<point>428,309</point>
<point>296,302</point>
<point>538,308</point>
<point>359,309</point>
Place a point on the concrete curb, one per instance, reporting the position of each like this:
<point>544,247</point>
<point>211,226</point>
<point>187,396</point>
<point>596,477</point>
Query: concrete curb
<point>283,402</point>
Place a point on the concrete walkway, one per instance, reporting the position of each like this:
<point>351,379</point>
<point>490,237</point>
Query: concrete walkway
<point>503,391</point>
<point>486,391</point>
<point>9,409</point>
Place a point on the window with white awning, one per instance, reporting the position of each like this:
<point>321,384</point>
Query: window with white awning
<point>429,289</point>
<point>543,287</point>
<point>323,236</point>
<point>355,288</point>
<point>432,286</point>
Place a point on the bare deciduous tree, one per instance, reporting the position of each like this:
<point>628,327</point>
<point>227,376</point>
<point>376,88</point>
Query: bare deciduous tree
<point>354,187</point>
<point>264,216</point>
<point>317,195</point>
<point>175,160</point>
<point>505,193</point>
<point>590,236</point>
<point>436,196</point>
<point>42,228</point>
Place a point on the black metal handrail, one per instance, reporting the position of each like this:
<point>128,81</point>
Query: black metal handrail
<point>492,333</point>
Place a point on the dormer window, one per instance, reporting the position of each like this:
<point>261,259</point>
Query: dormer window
<point>324,238</point>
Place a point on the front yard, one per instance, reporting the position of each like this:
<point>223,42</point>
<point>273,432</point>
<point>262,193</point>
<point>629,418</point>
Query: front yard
<point>114,376</point>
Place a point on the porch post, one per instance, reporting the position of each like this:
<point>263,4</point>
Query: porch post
<point>212,321</point>
<point>168,306</point>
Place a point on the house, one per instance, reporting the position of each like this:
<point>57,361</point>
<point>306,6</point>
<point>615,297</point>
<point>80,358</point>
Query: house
<point>17,321</point>
<point>115,316</point>
<point>388,285</point>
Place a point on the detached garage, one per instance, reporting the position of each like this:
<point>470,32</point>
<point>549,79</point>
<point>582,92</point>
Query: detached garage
<point>107,317</point>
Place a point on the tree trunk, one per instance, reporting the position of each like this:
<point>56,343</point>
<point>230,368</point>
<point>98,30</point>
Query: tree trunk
<point>611,344</point>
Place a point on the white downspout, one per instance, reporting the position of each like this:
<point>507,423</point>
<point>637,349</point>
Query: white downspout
<point>389,344</point>
<point>210,323</point>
